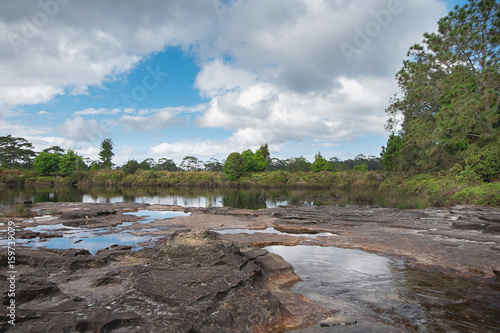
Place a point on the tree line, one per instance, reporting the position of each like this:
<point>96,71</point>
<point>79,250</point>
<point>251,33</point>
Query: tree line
<point>18,153</point>
<point>448,104</point>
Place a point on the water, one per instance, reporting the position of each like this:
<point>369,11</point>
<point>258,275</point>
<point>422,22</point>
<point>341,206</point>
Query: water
<point>249,199</point>
<point>96,239</point>
<point>386,294</point>
<point>271,230</point>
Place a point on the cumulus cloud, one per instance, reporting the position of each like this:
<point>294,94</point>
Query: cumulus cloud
<point>273,71</point>
<point>79,129</point>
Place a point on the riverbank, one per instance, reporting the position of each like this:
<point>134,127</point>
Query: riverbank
<point>346,187</point>
<point>230,275</point>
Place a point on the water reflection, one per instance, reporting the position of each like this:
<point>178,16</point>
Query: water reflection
<point>385,293</point>
<point>66,237</point>
<point>188,197</point>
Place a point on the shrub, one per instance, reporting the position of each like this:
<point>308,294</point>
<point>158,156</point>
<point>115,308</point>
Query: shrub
<point>362,167</point>
<point>130,166</point>
<point>320,163</point>
<point>485,162</point>
<point>235,166</point>
<point>46,163</point>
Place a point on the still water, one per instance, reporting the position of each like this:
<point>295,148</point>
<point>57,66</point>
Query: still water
<point>386,294</point>
<point>250,199</point>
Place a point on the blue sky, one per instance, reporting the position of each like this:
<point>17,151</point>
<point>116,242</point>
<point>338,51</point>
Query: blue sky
<point>206,78</point>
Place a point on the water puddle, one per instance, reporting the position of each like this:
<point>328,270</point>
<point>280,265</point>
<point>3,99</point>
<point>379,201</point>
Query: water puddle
<point>92,243</point>
<point>383,294</point>
<point>270,230</point>
<point>151,215</point>
<point>95,239</point>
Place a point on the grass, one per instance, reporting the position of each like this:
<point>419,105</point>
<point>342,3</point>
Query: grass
<point>19,210</point>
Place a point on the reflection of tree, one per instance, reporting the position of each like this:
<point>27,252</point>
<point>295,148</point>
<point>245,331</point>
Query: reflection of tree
<point>244,199</point>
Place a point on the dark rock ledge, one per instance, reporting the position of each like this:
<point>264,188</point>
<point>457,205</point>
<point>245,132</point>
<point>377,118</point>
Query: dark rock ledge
<point>193,282</point>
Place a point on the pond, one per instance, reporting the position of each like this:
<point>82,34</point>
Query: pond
<point>188,197</point>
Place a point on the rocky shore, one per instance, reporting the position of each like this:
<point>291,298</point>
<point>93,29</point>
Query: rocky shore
<point>182,276</point>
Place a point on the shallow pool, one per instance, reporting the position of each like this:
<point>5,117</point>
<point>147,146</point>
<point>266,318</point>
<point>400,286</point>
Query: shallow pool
<point>386,294</point>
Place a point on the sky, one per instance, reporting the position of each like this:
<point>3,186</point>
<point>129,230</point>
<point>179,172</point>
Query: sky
<point>204,78</point>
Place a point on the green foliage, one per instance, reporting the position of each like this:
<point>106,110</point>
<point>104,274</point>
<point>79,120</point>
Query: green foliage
<point>166,164</point>
<point>372,162</point>
<point>106,153</point>
<point>190,163</point>
<point>264,149</point>
<point>449,100</point>
<point>296,164</point>
<point>130,166</point>
<point>70,162</point>
<point>248,155</point>
<point>484,162</point>
<point>259,161</point>
<point>275,164</point>
<point>390,155</point>
<point>54,150</point>
<point>16,152</point>
<point>147,164</point>
<point>361,167</point>
<point>213,165</point>
<point>320,163</point>
<point>46,163</point>
<point>235,166</point>
<point>487,194</point>
<point>19,210</point>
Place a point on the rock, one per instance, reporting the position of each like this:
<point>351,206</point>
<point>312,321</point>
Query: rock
<point>86,214</point>
<point>193,282</point>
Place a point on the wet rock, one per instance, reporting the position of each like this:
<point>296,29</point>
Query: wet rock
<point>193,282</point>
<point>86,214</point>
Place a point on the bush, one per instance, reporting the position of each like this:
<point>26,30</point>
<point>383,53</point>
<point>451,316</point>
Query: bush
<point>320,163</point>
<point>485,162</point>
<point>235,166</point>
<point>485,194</point>
<point>130,167</point>
<point>46,163</point>
<point>362,167</point>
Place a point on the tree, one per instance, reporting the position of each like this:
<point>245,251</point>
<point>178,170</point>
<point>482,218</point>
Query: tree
<point>234,166</point>
<point>265,152</point>
<point>213,165</point>
<point>130,166</point>
<point>190,163</point>
<point>15,152</point>
<point>360,167</point>
<point>70,162</point>
<point>450,90</point>
<point>147,164</point>
<point>259,161</point>
<point>320,163</point>
<point>296,164</point>
<point>390,155</point>
<point>275,164</point>
<point>248,156</point>
<point>106,153</point>
<point>54,149</point>
<point>46,163</point>
<point>166,164</point>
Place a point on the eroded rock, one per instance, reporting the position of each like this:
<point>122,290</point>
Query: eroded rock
<point>193,282</point>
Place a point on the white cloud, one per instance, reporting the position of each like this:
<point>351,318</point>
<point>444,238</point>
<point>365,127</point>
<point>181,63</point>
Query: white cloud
<point>100,111</point>
<point>79,129</point>
<point>274,71</point>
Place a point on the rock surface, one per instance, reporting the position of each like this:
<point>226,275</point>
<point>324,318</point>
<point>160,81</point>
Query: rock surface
<point>191,280</point>
<point>194,282</point>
